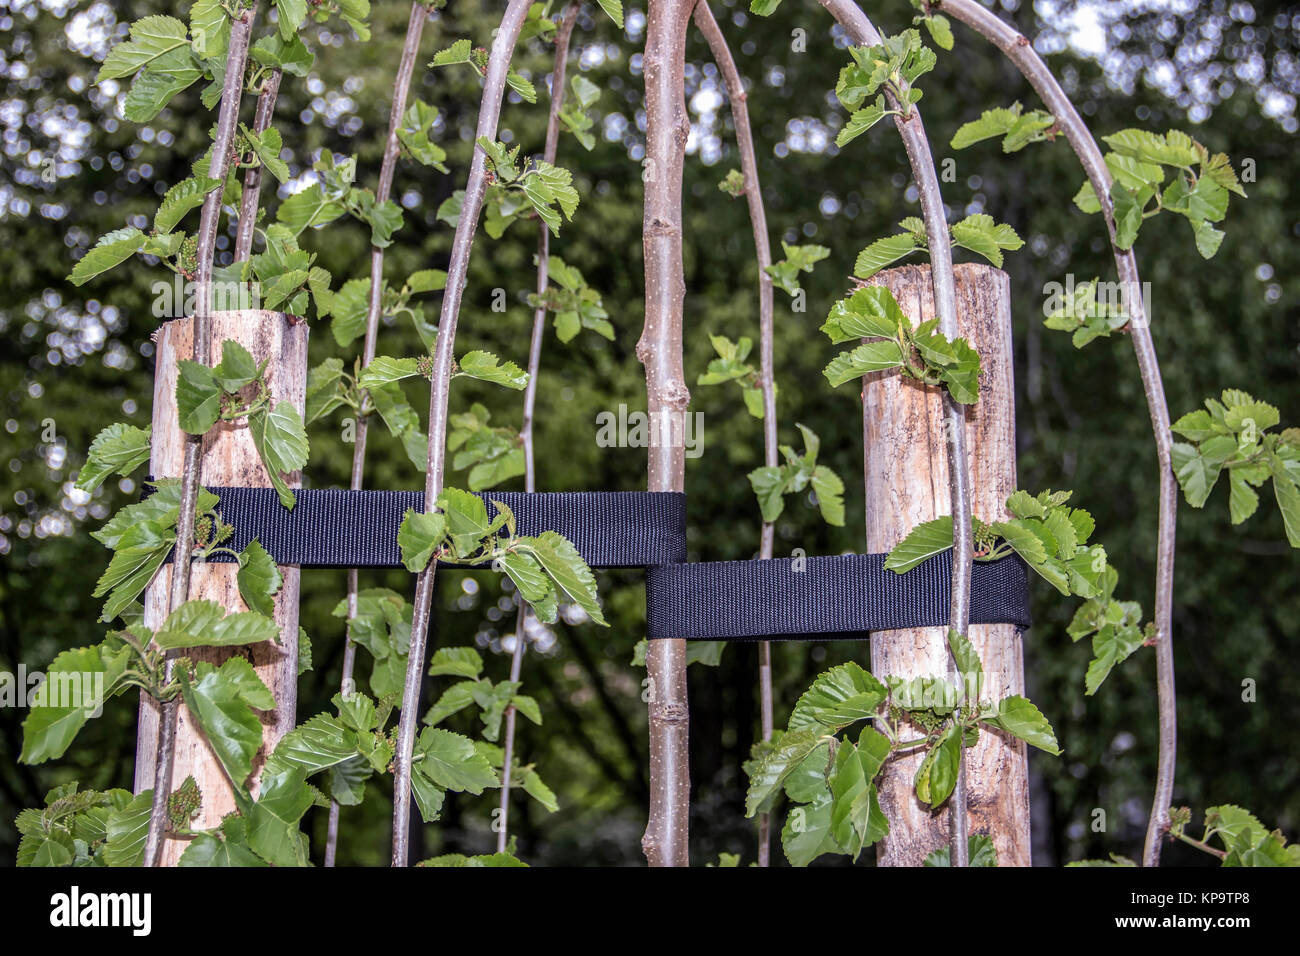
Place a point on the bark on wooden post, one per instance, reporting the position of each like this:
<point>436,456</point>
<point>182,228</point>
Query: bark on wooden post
<point>906,482</point>
<point>229,459</point>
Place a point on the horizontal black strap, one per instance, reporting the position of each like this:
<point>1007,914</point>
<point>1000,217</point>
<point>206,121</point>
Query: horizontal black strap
<point>337,528</point>
<point>834,596</point>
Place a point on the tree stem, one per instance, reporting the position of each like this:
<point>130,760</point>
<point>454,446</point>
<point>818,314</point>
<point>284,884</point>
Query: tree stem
<point>738,99</point>
<point>1020,51</point>
<point>912,131</point>
<point>440,380</point>
<point>667,397</point>
<point>191,471</point>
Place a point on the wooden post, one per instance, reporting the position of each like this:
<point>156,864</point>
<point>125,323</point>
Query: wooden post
<point>229,459</point>
<point>906,481</point>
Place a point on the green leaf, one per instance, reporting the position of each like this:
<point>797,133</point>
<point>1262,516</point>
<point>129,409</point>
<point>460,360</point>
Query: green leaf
<point>323,392</point>
<point>829,490</point>
<point>1111,645</point>
<point>565,566</point>
<point>456,662</point>
<point>154,88</point>
<point>773,767</point>
<point>981,235</point>
<point>186,195</point>
<point>319,743</point>
<point>859,122</point>
<point>614,10</point>
<point>1197,467</point>
<point>383,370</point>
<point>1020,718</point>
<point>226,846</point>
<point>1288,502</point>
<point>871,312</point>
<point>236,368</point>
<point>536,788</point>
<point>258,578</point>
<point>198,397</point>
<point>273,834</point>
<point>267,147</point>
<point>488,368</point>
<point>151,38</point>
<point>292,15</point>
<point>206,624</point>
<point>281,441</point>
<point>940,30</point>
<point>769,483</point>
<point>807,831</point>
<point>127,829</point>
<point>219,702</point>
<point>112,249</point>
<point>921,543</point>
<point>979,852</point>
<point>458,52</point>
<point>419,536</point>
<point>884,252</point>
<point>75,685</point>
<point>940,765</point>
<point>837,698</point>
<point>451,762</point>
<point>856,818</point>
<point>869,357</point>
<point>118,449</point>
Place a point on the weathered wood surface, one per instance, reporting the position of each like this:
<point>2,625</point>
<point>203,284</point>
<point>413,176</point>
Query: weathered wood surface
<point>229,459</point>
<point>906,483</point>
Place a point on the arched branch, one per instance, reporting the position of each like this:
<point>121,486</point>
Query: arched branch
<point>191,470</point>
<point>457,269</point>
<point>562,35</point>
<point>862,32</point>
<point>1020,51</point>
<point>383,189</point>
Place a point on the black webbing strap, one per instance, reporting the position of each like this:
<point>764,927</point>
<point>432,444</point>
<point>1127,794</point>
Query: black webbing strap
<point>838,596</point>
<point>337,528</point>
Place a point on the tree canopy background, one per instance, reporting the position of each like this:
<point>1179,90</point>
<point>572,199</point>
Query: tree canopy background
<point>76,359</point>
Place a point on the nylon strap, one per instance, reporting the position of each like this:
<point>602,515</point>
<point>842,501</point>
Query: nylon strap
<point>838,596</point>
<point>338,528</point>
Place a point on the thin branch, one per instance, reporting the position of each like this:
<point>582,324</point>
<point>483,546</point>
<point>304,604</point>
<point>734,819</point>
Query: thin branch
<point>1020,51</point>
<point>667,397</point>
<point>457,268</point>
<point>738,98</point>
<point>252,194</point>
<point>192,464</point>
<point>562,35</point>
<point>383,189</point>
<point>912,131</point>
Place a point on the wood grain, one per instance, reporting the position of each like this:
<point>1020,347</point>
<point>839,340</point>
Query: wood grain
<point>229,459</point>
<point>906,483</point>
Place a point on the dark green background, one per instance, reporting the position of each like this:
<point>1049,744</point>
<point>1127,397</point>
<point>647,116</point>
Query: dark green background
<point>1082,421</point>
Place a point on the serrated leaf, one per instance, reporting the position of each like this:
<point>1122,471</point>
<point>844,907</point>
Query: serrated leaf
<point>921,543</point>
